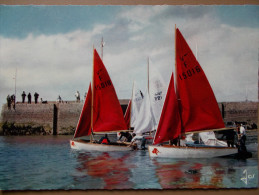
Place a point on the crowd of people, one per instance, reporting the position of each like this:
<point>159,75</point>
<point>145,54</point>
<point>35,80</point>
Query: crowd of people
<point>11,100</point>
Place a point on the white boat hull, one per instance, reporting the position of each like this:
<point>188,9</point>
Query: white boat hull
<point>189,152</point>
<point>87,146</point>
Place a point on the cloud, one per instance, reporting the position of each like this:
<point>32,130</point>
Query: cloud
<point>139,17</point>
<point>46,63</point>
<point>62,63</point>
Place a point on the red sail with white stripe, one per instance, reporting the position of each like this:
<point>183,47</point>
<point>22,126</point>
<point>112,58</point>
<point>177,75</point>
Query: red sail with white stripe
<point>84,124</point>
<point>107,111</point>
<point>198,106</point>
<point>169,126</point>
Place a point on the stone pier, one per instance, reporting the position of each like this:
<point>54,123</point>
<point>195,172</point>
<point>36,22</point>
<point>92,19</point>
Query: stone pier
<point>61,118</point>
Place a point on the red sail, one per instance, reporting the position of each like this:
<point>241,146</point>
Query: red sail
<point>127,115</point>
<point>169,126</point>
<point>107,112</point>
<point>198,106</point>
<point>84,124</point>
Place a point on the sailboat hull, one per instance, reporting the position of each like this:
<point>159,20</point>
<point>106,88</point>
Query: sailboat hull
<point>87,146</point>
<point>167,151</point>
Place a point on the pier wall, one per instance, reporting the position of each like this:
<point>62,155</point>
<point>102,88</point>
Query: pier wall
<point>62,118</point>
<point>68,116</point>
<point>30,114</point>
<point>239,111</point>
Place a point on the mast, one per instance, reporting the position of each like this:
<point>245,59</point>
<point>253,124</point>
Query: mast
<point>92,102</point>
<point>175,63</point>
<point>196,52</point>
<point>148,74</point>
<point>102,45</point>
<point>131,104</point>
<point>15,87</point>
<point>133,88</point>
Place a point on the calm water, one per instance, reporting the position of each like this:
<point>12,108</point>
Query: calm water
<point>47,162</point>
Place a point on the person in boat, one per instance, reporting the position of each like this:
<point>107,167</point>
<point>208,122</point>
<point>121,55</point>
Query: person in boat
<point>136,139</point>
<point>127,136</point>
<point>238,129</point>
<point>242,151</point>
<point>174,142</point>
<point>179,141</point>
<point>230,137</point>
<point>242,134</point>
<point>104,140</point>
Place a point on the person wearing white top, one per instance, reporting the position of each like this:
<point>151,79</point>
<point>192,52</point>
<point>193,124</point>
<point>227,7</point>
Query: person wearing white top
<point>139,138</point>
<point>242,130</point>
<point>243,134</point>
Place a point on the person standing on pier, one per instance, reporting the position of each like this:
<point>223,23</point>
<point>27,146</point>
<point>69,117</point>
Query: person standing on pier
<point>29,98</point>
<point>77,96</point>
<point>13,101</point>
<point>8,102</point>
<point>23,96</point>
<point>59,99</point>
<point>36,95</point>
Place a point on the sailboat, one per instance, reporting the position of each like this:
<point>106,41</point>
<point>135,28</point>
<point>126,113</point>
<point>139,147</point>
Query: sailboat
<point>151,106</point>
<point>136,102</point>
<point>101,112</point>
<point>157,91</point>
<point>192,107</point>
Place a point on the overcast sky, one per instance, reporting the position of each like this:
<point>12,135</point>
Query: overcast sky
<point>52,47</point>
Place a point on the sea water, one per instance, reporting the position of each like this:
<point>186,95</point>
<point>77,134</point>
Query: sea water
<point>48,163</point>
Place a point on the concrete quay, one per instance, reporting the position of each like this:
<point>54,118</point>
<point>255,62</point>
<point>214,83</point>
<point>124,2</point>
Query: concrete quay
<point>60,118</point>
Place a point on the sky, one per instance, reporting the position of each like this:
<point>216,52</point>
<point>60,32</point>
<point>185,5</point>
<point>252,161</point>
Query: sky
<point>51,47</point>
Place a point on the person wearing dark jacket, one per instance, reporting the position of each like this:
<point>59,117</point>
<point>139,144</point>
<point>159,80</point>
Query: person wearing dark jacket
<point>29,98</point>
<point>23,96</point>
<point>127,135</point>
<point>36,95</point>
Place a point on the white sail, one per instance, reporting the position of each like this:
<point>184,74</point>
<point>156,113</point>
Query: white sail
<point>145,120</point>
<point>157,92</point>
<point>137,99</point>
<point>189,138</point>
<point>210,139</point>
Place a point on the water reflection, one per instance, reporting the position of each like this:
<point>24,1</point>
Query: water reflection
<point>136,170</point>
<point>190,174</point>
<point>35,163</point>
<point>113,170</point>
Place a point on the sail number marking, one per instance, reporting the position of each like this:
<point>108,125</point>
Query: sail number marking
<point>189,73</point>
<point>103,85</point>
